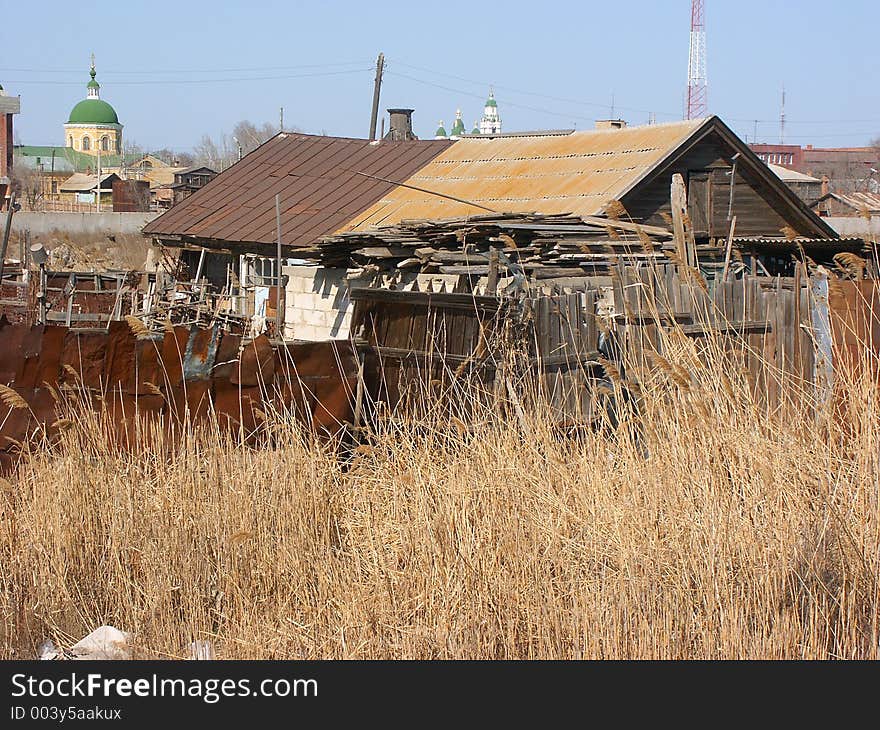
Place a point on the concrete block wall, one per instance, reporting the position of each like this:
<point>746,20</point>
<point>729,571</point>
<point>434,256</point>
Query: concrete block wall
<point>317,306</point>
<point>100,224</point>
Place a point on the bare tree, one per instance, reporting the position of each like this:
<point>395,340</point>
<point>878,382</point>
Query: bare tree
<point>250,136</point>
<point>169,156</point>
<point>28,186</point>
<point>133,150</point>
<point>218,155</point>
<point>245,137</point>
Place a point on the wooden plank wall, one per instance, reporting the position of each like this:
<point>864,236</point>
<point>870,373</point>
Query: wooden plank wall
<point>759,210</point>
<point>762,325</point>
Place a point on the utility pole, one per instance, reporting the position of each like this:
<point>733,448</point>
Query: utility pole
<point>99,177</point>
<point>278,298</point>
<point>377,86</point>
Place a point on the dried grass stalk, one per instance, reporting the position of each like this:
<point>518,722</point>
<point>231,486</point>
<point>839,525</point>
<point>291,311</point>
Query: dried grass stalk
<point>11,399</point>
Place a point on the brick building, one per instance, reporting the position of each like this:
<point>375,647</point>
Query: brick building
<point>848,169</point>
<point>9,105</point>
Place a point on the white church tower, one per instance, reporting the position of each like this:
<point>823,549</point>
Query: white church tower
<point>491,122</point>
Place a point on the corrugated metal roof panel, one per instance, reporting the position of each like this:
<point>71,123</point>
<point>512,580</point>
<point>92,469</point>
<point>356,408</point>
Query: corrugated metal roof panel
<point>860,201</point>
<point>574,173</point>
<point>316,178</point>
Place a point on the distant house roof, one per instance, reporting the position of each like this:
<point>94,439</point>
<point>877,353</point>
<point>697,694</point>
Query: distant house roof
<point>64,159</point>
<point>577,173</point>
<point>148,159</point>
<point>859,202</point>
<point>195,168</point>
<point>317,178</point>
<point>81,183</point>
<point>787,175</point>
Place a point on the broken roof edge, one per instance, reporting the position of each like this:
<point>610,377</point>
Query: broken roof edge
<point>216,245</point>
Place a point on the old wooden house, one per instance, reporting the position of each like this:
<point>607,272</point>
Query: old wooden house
<point>336,196</point>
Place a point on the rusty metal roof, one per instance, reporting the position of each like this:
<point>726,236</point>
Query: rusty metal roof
<point>860,201</point>
<point>572,173</point>
<point>317,178</point>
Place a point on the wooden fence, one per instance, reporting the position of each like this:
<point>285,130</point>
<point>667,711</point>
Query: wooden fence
<point>776,329</point>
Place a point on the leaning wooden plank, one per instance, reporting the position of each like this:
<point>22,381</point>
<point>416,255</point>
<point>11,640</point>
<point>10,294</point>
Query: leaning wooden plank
<point>456,257</point>
<point>684,245</point>
<point>380,252</point>
<point>758,325</point>
<point>466,270</point>
<point>448,301</point>
<point>62,317</point>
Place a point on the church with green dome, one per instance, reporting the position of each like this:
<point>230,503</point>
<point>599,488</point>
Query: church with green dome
<point>490,123</point>
<point>93,126</point>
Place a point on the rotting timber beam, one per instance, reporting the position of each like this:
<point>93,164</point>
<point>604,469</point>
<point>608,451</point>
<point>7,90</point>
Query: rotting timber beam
<point>425,299</point>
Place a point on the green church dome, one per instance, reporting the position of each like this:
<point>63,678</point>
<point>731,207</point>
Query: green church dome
<point>491,101</point>
<point>458,126</point>
<point>93,111</point>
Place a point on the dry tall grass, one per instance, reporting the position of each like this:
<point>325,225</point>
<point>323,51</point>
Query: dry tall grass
<point>706,527</point>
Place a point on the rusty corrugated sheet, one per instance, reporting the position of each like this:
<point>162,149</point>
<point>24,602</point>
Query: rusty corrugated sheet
<point>854,308</point>
<point>575,173</point>
<point>189,373</point>
<point>316,179</point>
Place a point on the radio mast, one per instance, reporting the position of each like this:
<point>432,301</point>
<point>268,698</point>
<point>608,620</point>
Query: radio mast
<point>698,84</point>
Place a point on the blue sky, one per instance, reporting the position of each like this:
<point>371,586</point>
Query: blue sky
<point>176,71</point>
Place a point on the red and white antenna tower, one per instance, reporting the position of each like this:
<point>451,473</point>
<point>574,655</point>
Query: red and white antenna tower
<point>698,84</point>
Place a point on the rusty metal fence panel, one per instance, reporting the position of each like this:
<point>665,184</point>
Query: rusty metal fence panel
<point>188,373</point>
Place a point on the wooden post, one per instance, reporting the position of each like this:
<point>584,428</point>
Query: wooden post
<point>729,248</point>
<point>42,294</point>
<point>9,212</point>
<point>200,266</point>
<point>492,280</point>
<point>678,200</point>
<point>278,312</point>
<point>682,229</point>
<point>377,86</point>
<point>359,392</point>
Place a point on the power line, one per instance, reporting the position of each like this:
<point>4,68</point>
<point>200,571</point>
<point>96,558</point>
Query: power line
<point>168,82</point>
<point>804,121</point>
<point>522,92</point>
<point>116,71</point>
<point>602,105</point>
<point>507,102</point>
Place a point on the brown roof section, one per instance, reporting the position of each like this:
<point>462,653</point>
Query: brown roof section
<point>317,178</point>
<point>570,173</point>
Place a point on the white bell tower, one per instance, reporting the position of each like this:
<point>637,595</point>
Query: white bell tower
<point>491,122</point>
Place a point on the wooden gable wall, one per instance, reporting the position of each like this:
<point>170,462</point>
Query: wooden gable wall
<point>760,209</point>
